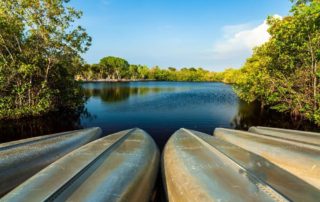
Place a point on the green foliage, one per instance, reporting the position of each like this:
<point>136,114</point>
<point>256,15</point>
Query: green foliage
<point>284,73</point>
<point>299,2</point>
<point>115,69</point>
<point>39,56</point>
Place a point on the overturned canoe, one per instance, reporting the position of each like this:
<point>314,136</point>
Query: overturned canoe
<point>21,159</point>
<point>119,167</point>
<point>282,181</point>
<point>302,160</point>
<point>195,170</point>
<point>294,135</point>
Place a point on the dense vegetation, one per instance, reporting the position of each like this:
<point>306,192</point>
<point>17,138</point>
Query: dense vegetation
<point>114,69</point>
<point>39,54</point>
<point>284,73</point>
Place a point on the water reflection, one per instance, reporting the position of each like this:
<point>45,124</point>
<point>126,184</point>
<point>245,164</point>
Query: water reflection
<point>114,93</point>
<point>252,115</point>
<point>160,108</point>
<point>52,123</point>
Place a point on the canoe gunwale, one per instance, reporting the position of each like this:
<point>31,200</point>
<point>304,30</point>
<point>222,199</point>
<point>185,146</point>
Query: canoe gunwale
<point>282,130</point>
<point>172,183</point>
<point>32,140</point>
<point>301,160</point>
<point>110,168</point>
<point>88,166</point>
<point>291,135</point>
<point>21,159</point>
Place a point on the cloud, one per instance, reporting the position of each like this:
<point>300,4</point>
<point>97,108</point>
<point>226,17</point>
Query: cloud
<point>230,30</point>
<point>106,2</point>
<point>238,41</point>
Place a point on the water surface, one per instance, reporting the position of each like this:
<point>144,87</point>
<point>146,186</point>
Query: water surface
<point>160,108</point>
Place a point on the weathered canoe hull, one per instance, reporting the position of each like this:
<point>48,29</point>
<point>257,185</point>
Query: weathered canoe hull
<point>300,159</point>
<point>119,167</point>
<point>194,170</point>
<point>21,159</point>
<point>293,135</point>
<point>282,181</point>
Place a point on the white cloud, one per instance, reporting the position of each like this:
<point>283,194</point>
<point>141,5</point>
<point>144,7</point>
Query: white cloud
<point>238,42</point>
<point>230,30</point>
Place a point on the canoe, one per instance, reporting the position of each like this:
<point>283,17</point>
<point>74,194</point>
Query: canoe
<point>299,159</point>
<point>195,170</point>
<point>282,181</point>
<point>21,159</point>
<point>118,167</point>
<point>294,135</point>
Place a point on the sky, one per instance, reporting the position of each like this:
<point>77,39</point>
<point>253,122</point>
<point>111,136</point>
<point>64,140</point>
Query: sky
<point>213,34</point>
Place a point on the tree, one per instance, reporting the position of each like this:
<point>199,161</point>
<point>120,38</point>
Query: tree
<point>230,76</point>
<point>108,66</point>
<point>143,71</point>
<point>172,69</point>
<point>284,72</point>
<point>133,72</point>
<point>115,67</point>
<point>253,81</point>
<point>96,70</point>
<point>39,55</point>
<point>299,2</point>
<point>296,40</point>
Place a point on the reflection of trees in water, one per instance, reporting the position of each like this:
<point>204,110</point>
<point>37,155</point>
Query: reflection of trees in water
<point>121,93</point>
<point>252,115</point>
<point>51,123</point>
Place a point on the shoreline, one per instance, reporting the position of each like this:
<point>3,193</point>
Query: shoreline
<point>115,80</point>
<point>142,80</point>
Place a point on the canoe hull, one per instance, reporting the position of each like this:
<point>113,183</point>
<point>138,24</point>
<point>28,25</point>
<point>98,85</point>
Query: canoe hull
<point>293,135</point>
<point>300,159</point>
<point>21,159</point>
<point>197,171</point>
<point>119,167</point>
<point>282,181</point>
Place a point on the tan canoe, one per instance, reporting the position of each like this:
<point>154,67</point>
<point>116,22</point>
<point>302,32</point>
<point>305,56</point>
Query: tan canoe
<point>294,135</point>
<point>284,182</point>
<point>195,170</point>
<point>119,167</point>
<point>21,159</point>
<point>300,159</point>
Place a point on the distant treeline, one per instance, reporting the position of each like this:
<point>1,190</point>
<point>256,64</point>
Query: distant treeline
<point>114,68</point>
<point>282,74</point>
<point>40,55</point>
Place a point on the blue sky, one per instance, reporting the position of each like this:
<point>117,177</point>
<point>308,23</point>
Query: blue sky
<point>213,34</point>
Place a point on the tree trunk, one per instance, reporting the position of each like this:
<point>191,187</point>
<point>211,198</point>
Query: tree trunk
<point>315,83</point>
<point>314,73</point>
<point>29,91</point>
<point>47,70</point>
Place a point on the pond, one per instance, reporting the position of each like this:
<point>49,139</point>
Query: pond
<point>160,108</point>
